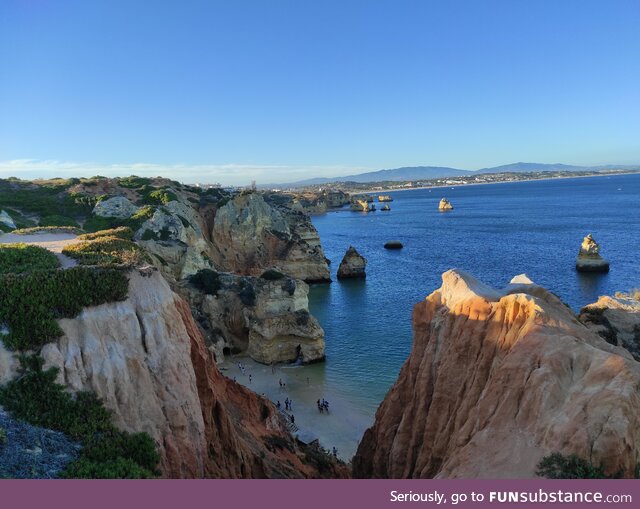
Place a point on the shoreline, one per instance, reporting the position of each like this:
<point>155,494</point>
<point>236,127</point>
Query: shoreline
<point>342,427</point>
<point>374,191</point>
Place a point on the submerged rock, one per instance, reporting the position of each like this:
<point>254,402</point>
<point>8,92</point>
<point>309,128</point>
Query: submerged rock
<point>589,259</point>
<point>497,380</point>
<point>445,205</point>
<point>393,244</point>
<point>353,265</point>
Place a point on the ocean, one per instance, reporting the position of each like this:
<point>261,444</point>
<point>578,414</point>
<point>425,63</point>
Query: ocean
<point>495,232</point>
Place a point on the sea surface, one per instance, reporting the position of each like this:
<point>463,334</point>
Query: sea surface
<point>495,232</point>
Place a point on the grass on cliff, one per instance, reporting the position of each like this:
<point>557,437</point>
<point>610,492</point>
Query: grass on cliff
<point>98,223</point>
<point>107,453</point>
<point>107,248</point>
<point>18,258</point>
<point>30,303</point>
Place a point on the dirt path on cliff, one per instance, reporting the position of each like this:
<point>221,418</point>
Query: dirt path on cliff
<point>54,242</point>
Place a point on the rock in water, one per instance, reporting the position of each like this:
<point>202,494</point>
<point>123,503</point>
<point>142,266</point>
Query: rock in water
<point>589,259</point>
<point>118,206</point>
<point>497,380</point>
<point>445,205</point>
<point>393,244</point>
<point>353,265</point>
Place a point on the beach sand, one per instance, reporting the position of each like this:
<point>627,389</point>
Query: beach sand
<point>342,427</point>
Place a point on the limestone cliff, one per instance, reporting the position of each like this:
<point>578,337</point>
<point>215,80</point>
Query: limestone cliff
<point>495,381</point>
<point>617,320</point>
<point>268,319</point>
<point>146,359</point>
<point>353,265</point>
<point>250,235</point>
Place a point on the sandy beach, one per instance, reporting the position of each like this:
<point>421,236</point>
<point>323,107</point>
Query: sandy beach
<point>342,427</point>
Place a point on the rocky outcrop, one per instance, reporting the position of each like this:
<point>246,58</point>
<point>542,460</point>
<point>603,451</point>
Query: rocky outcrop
<point>267,319</point>
<point>118,206</point>
<point>495,381</point>
<point>147,360</point>
<point>589,259</point>
<point>353,265</point>
<point>445,205</point>
<point>617,320</point>
<point>7,220</point>
<point>174,235</point>
<point>393,244</point>
<point>249,235</point>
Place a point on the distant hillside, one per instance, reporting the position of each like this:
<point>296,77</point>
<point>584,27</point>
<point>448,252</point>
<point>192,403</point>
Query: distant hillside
<point>434,172</point>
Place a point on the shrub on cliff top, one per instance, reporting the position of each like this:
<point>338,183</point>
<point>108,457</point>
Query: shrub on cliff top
<point>107,453</point>
<point>206,280</point>
<point>30,303</point>
<point>558,466</point>
<point>159,197</point>
<point>105,250</point>
<point>98,223</point>
<point>122,232</point>
<point>18,258</point>
<point>272,275</point>
<point>57,220</point>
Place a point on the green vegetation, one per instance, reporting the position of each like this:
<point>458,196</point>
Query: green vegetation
<point>30,303</point>
<point>57,220</point>
<point>159,197</point>
<point>48,229</point>
<point>558,466</point>
<point>18,258</point>
<point>122,232</point>
<point>206,280</point>
<point>44,198</point>
<point>106,250</point>
<point>3,437</point>
<point>134,182</point>
<point>272,275</point>
<point>247,293</point>
<point>107,453</point>
<point>97,223</point>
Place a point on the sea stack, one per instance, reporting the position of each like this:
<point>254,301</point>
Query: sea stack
<point>589,259</point>
<point>445,205</point>
<point>353,265</point>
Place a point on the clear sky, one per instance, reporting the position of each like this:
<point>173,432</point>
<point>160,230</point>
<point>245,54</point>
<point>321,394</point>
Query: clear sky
<point>277,90</point>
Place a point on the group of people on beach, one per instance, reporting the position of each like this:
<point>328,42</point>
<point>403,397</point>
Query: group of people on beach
<point>288,404</point>
<point>323,406</point>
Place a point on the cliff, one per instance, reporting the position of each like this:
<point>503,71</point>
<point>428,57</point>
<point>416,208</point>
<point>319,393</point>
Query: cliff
<point>146,359</point>
<point>250,235</point>
<point>268,319</point>
<point>495,381</point>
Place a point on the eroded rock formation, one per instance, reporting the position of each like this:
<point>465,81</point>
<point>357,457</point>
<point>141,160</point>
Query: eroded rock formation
<point>445,205</point>
<point>267,319</point>
<point>250,235</point>
<point>617,320</point>
<point>495,381</point>
<point>146,359</point>
<point>353,265</point>
<point>589,259</point>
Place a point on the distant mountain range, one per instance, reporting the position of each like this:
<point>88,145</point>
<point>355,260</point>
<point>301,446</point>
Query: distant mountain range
<point>431,172</point>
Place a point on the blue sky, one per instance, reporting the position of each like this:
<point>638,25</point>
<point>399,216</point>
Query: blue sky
<point>280,90</point>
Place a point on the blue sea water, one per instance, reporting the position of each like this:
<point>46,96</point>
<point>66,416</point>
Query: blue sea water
<point>495,232</point>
